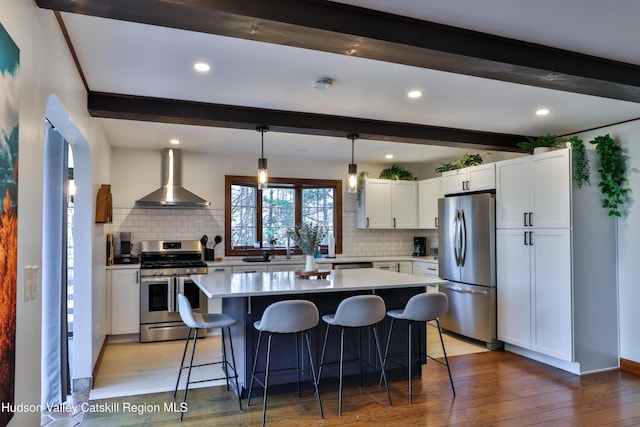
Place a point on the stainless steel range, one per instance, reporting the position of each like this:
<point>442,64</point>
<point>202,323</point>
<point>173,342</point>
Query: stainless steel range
<point>165,267</point>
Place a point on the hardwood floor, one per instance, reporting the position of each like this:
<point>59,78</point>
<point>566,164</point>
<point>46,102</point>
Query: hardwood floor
<point>494,388</point>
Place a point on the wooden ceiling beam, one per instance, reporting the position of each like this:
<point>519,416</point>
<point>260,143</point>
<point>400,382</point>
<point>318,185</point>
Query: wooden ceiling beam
<point>130,107</point>
<point>348,30</point>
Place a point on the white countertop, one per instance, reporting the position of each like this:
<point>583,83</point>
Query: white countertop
<point>227,285</point>
<point>298,259</point>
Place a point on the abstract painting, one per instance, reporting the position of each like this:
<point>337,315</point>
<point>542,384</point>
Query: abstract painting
<point>9,95</point>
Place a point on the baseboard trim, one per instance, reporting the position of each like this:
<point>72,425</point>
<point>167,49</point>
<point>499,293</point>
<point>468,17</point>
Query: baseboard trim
<point>630,366</point>
<point>99,359</point>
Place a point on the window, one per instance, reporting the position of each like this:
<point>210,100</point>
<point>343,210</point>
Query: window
<point>255,218</point>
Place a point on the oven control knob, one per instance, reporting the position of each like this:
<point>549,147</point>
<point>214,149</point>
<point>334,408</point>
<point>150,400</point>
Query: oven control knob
<point>175,271</point>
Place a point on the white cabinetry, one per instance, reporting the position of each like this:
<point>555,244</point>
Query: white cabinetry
<point>214,305</point>
<point>405,267</point>
<point>388,204</point>
<point>250,268</point>
<point>427,269</point>
<point>397,266</point>
<point>286,267</point>
<point>387,265</point>
<point>534,191</point>
<point>556,268</point>
<point>429,191</point>
<point>534,290</point>
<point>125,301</point>
<point>474,178</point>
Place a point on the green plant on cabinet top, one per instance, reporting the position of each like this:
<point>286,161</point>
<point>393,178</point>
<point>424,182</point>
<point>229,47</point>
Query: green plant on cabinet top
<point>613,182</point>
<point>465,161</point>
<point>541,141</point>
<point>397,172</point>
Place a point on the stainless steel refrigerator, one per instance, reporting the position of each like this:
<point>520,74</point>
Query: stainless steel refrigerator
<point>467,260</point>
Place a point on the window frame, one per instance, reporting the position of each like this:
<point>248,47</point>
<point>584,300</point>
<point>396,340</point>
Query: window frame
<point>298,184</point>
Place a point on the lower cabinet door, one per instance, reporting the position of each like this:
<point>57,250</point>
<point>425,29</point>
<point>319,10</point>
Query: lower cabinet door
<point>552,293</point>
<point>513,273</point>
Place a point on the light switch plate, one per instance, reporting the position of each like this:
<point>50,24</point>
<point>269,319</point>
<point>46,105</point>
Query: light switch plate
<point>31,282</point>
<point>28,286</point>
<point>35,276</point>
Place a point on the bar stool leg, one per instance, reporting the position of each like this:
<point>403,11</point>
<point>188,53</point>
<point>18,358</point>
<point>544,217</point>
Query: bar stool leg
<point>235,372</point>
<point>324,347</point>
<point>341,357</point>
<point>253,370</point>
<point>313,374</point>
<point>266,382</point>
<point>184,353</point>
<point>446,360</point>
<point>384,376</point>
<point>386,350</point>
<point>298,364</point>
<point>224,358</point>
<point>410,366</point>
<point>186,388</point>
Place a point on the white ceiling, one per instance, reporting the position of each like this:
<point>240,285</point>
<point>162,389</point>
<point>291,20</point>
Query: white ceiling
<point>129,58</point>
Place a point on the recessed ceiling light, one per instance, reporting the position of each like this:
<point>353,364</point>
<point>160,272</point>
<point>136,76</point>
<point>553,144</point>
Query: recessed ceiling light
<point>414,94</point>
<point>174,141</point>
<point>202,67</point>
<point>388,156</point>
<point>542,112</point>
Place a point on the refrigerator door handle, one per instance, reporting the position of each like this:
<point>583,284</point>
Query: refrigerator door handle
<point>463,238</point>
<point>456,234</point>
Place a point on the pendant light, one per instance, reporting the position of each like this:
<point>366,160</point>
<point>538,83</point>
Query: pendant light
<point>352,182</point>
<point>263,173</point>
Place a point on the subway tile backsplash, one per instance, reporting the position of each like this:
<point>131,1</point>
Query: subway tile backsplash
<point>179,224</point>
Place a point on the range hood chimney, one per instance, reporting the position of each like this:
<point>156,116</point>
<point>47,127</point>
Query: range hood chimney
<point>172,194</point>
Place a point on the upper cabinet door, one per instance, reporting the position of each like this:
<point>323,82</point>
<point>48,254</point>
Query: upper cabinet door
<point>481,177</point>
<point>513,193</point>
<point>374,210</point>
<point>428,194</point>
<point>534,191</point>
<point>474,178</point>
<point>404,204</point>
<point>454,181</point>
<point>551,189</point>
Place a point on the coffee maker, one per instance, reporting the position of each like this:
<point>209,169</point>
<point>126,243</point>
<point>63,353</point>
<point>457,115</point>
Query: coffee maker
<point>125,250</point>
<point>419,246</point>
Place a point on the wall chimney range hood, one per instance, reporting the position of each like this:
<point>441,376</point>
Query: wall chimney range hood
<point>172,194</point>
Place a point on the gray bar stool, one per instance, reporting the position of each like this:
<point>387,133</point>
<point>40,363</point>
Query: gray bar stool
<point>198,320</point>
<point>422,307</point>
<point>286,317</point>
<point>355,312</point>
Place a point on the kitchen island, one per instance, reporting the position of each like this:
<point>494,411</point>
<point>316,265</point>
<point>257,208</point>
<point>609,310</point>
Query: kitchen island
<point>245,296</point>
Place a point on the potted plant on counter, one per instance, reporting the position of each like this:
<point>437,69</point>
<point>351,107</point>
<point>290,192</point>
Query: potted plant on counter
<point>307,237</point>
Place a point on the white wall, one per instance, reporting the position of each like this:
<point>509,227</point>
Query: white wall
<point>628,241</point>
<point>46,68</point>
<point>137,172</point>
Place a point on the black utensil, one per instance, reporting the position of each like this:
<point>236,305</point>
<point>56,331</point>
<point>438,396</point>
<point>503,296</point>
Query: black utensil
<point>217,240</point>
<point>203,240</point>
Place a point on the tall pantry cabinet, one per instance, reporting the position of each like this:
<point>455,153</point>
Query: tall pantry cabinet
<point>556,264</point>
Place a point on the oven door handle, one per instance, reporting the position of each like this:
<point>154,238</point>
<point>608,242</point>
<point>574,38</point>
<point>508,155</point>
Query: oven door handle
<point>171,295</point>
